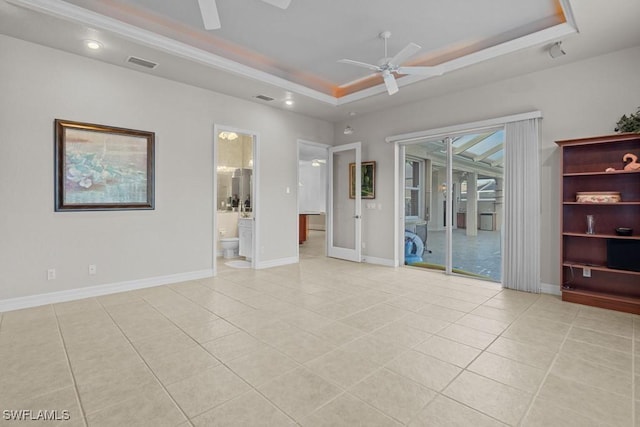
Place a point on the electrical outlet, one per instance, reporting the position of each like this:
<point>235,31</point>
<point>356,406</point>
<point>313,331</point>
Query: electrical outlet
<point>51,274</point>
<point>92,269</point>
<point>364,245</point>
<point>586,272</point>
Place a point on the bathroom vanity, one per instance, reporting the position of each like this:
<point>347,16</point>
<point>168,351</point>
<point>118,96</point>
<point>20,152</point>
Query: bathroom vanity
<point>245,233</point>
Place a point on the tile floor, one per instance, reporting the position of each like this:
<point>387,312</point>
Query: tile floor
<point>322,343</point>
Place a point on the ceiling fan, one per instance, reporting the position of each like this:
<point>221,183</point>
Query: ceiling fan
<point>388,66</point>
<point>210,16</point>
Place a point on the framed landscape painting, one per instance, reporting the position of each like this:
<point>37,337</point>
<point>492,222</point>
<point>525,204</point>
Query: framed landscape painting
<point>101,167</point>
<point>368,175</point>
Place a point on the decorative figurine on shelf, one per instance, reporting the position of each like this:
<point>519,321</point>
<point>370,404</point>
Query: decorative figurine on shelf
<point>631,161</point>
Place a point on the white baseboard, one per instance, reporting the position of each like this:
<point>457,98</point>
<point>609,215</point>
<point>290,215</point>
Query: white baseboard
<point>94,291</point>
<point>547,288</point>
<point>277,262</point>
<point>378,261</point>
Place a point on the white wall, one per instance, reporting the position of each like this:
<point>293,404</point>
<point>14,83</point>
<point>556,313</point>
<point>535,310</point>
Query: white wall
<point>227,227</point>
<point>317,222</point>
<point>38,85</point>
<point>312,188</point>
<point>579,99</point>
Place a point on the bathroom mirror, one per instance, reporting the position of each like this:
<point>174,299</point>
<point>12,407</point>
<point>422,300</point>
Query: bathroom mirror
<point>235,170</point>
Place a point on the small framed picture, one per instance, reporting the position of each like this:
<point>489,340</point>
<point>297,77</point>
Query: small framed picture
<point>101,167</point>
<point>368,186</point>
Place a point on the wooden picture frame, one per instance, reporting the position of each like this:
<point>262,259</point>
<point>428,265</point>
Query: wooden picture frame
<point>368,177</point>
<point>100,167</point>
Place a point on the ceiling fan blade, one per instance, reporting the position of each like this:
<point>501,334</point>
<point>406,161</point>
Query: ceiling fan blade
<point>209,12</point>
<point>360,64</point>
<point>408,51</point>
<point>390,82</point>
<point>282,4</point>
<point>420,71</point>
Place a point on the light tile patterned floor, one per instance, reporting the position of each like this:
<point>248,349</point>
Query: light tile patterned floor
<point>322,343</point>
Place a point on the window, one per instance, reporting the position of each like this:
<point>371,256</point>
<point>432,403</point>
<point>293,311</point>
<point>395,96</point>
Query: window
<point>486,190</point>
<point>413,185</point>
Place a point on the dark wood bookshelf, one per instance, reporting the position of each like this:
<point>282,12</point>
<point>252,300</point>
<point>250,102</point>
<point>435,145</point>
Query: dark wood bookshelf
<point>602,204</point>
<point>602,236</point>
<point>616,172</point>
<point>584,162</point>
<point>598,268</point>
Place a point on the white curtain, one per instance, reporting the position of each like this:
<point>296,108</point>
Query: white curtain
<point>521,260</point>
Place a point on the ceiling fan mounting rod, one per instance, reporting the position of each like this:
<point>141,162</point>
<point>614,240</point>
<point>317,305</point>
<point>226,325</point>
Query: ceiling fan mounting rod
<point>385,35</point>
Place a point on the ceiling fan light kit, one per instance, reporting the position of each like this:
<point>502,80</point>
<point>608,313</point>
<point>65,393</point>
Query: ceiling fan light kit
<point>388,66</point>
<point>390,82</point>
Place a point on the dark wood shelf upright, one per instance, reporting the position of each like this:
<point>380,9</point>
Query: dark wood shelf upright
<point>586,278</point>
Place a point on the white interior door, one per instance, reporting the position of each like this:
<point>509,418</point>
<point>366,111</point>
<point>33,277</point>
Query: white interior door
<point>344,208</point>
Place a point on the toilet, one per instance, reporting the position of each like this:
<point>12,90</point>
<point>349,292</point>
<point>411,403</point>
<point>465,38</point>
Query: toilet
<point>230,247</point>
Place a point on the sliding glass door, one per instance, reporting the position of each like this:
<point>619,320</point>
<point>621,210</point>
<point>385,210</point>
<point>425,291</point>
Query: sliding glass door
<point>453,204</point>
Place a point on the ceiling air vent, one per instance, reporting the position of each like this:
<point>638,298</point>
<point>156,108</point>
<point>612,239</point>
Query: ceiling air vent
<point>264,98</point>
<point>142,62</point>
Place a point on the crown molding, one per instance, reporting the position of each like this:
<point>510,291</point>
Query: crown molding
<point>73,13</point>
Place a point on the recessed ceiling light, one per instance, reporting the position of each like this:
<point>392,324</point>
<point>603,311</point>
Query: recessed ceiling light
<point>289,102</point>
<point>92,44</point>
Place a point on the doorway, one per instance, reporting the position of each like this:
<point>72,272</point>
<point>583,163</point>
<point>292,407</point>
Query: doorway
<point>236,198</point>
<point>453,206</point>
<point>344,207</point>
<point>312,198</point>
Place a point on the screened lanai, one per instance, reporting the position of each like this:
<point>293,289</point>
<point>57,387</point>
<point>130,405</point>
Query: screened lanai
<point>477,203</point>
